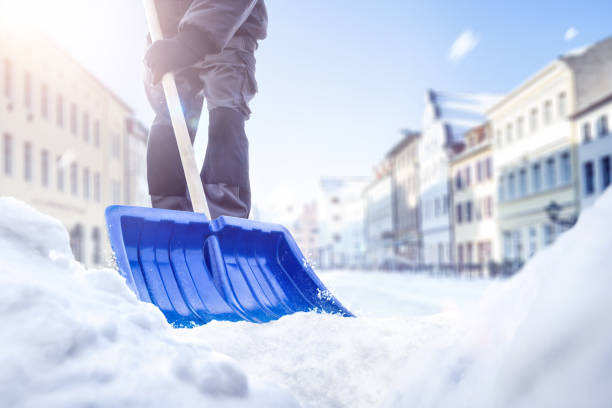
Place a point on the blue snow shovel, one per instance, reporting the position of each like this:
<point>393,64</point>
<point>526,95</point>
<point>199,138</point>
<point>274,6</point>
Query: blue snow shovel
<point>196,269</point>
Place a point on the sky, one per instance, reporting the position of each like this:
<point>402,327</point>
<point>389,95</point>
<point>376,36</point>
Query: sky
<point>338,80</point>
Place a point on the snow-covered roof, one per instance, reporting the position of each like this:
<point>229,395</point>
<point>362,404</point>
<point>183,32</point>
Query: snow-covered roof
<point>460,112</point>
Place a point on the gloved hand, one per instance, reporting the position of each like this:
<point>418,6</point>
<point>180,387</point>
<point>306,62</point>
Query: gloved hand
<point>169,55</point>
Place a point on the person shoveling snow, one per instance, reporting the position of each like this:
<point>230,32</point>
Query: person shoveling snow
<point>209,45</point>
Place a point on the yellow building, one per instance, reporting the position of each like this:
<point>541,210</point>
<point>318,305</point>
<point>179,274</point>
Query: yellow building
<point>474,189</point>
<point>66,141</point>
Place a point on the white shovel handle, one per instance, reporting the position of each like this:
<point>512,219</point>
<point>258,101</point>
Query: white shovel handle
<point>194,184</point>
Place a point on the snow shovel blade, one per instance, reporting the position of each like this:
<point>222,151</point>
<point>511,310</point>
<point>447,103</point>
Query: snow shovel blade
<point>196,270</point>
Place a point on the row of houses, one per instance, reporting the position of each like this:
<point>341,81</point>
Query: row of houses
<point>68,145</point>
<point>489,180</point>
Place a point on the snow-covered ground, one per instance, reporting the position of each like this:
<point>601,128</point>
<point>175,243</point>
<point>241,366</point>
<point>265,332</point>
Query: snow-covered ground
<point>72,337</point>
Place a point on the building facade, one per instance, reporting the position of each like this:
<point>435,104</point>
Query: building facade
<point>536,147</point>
<point>595,150</point>
<point>378,220</point>
<point>66,141</point>
<point>340,230</point>
<point>474,190</point>
<point>305,230</point>
<point>403,158</point>
<point>434,193</point>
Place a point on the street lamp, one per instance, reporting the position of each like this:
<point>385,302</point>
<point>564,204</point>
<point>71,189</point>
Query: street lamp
<point>553,210</point>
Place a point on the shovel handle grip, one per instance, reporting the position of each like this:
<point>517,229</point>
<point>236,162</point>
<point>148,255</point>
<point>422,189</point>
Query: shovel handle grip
<point>194,183</point>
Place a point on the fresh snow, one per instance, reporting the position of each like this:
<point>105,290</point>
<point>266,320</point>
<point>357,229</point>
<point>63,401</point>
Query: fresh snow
<point>72,337</point>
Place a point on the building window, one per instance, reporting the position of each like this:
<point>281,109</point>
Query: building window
<point>536,174</point>
<point>44,168</point>
<point>27,91</point>
<point>469,249</point>
<point>479,171</point>
<point>73,118</point>
<point>97,246</point>
<point>511,186</point>
<point>460,253</point>
<point>86,183</point>
<point>561,102</point>
<point>589,182</point>
<point>97,187</point>
<point>489,168</point>
<point>44,101</point>
<point>445,204</point>
<point>468,175</point>
<point>8,154</point>
<point>586,133</point>
<point>60,173</point>
<point>520,127</point>
<point>602,126</point>
<point>86,126</point>
<point>509,133</point>
<point>547,112</point>
<point>459,215</point>
<point>8,79</point>
<point>549,234</point>
<point>501,189</point>
<point>27,161</point>
<point>605,172</point>
<point>468,211</point>
<point>76,242</point>
<point>488,205</point>
<point>440,253</point>
<point>551,174</point>
<point>458,183</point>
<point>96,133</point>
<point>517,244</point>
<point>507,245</point>
<point>533,120</point>
<point>566,168</point>
<point>59,111</point>
<point>74,178</point>
<point>523,182</point>
<point>533,239</point>
<point>437,207</point>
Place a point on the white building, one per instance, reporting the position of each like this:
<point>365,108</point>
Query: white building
<point>446,119</point>
<point>340,241</point>
<point>66,141</point>
<point>305,230</point>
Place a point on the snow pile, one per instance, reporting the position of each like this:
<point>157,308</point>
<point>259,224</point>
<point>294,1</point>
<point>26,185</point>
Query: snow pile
<point>543,339</point>
<point>72,337</point>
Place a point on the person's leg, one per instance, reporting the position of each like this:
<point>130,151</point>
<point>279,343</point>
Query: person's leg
<point>166,179</point>
<point>229,84</point>
<point>225,174</point>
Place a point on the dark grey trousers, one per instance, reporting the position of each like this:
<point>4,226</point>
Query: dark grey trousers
<point>227,80</point>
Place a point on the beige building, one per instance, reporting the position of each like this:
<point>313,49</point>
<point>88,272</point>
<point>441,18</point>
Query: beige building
<point>536,140</point>
<point>535,159</point>
<point>474,188</point>
<point>69,146</point>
